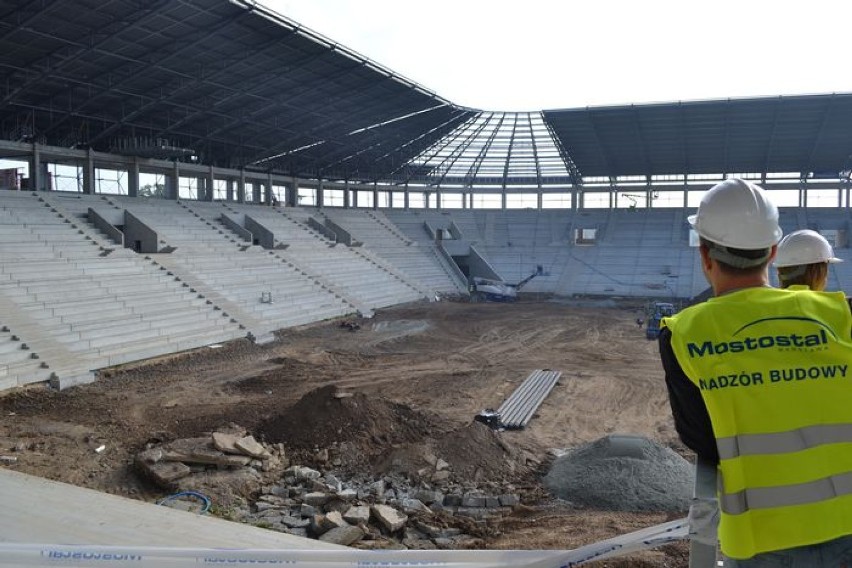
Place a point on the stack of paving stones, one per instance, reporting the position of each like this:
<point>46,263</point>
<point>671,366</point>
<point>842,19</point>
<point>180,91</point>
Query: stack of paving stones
<point>169,463</point>
<point>388,512</point>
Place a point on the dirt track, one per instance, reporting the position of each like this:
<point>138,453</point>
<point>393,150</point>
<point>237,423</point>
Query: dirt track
<point>447,359</point>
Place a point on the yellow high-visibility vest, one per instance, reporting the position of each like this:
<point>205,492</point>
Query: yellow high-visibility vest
<point>774,368</point>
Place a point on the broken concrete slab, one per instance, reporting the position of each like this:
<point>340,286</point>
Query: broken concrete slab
<point>359,514</point>
<point>336,518</point>
<point>316,498</point>
<point>226,443</point>
<point>165,473</point>
<point>208,457</point>
<point>251,447</point>
<point>343,535</point>
<point>389,517</point>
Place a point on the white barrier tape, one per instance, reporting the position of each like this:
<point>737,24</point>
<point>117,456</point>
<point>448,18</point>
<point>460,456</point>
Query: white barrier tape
<point>40,555</point>
<point>643,539</point>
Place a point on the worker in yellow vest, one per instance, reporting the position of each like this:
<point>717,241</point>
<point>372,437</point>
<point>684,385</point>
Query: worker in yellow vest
<point>803,260</point>
<point>760,382</point>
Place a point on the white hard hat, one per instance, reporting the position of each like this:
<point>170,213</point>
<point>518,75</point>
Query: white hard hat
<point>737,214</point>
<point>804,247</point>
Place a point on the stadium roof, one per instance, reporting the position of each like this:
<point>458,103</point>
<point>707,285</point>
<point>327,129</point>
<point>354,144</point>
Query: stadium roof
<point>779,134</point>
<point>237,85</point>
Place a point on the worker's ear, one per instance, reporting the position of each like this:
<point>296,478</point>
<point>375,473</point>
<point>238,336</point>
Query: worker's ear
<point>706,261</point>
<point>773,253</point>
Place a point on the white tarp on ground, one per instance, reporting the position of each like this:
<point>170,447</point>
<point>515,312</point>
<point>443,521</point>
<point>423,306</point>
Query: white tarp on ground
<point>40,555</point>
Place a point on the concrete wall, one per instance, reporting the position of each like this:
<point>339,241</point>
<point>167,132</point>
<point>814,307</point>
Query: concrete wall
<point>262,236</point>
<point>139,236</point>
<point>106,221</point>
<point>234,221</point>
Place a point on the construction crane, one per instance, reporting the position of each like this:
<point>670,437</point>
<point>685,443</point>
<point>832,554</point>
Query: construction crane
<point>490,290</point>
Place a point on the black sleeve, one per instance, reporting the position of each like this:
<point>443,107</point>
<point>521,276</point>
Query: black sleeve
<point>692,421</point>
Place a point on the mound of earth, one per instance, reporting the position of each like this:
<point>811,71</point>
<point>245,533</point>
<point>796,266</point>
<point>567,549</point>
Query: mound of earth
<point>477,452</point>
<point>473,452</point>
<point>623,473</point>
<point>327,416</point>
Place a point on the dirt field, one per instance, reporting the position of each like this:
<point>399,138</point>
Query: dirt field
<point>447,361</point>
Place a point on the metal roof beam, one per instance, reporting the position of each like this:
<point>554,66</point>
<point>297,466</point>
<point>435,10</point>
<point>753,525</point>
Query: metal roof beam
<point>820,132</point>
<point>457,115</point>
<point>477,161</point>
<point>170,54</point>
<point>82,48</point>
<point>768,152</point>
<point>94,118</point>
<point>637,125</point>
<point>155,101</point>
<point>449,161</point>
<point>534,149</point>
<point>182,106</point>
<point>511,146</point>
<point>271,103</point>
<point>604,152</point>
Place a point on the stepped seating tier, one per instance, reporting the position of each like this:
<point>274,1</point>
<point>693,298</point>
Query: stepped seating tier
<point>72,300</point>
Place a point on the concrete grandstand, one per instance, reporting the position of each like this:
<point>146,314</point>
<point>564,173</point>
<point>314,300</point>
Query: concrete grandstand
<point>419,196</point>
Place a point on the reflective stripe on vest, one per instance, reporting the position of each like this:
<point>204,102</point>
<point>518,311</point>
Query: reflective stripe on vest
<point>783,442</point>
<point>786,495</point>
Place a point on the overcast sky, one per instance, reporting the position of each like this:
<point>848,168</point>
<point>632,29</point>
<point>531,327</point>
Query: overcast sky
<point>547,54</point>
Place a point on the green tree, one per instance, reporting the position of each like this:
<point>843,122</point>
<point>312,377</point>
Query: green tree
<point>157,190</point>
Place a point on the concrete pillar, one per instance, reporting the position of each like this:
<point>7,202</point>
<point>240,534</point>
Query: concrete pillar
<point>133,179</point>
<point>503,199</point>
<point>427,195</point>
<point>438,203</point>
<point>170,181</point>
<point>346,194</point>
<point>229,190</point>
<point>375,195</point>
<point>267,190</point>
<point>320,194</point>
<point>174,191</point>
<point>257,192</point>
<point>241,187</point>
<point>575,197</point>
<point>36,178</point>
<point>89,174</point>
<point>803,194</point>
<point>405,197</point>
<point>539,200</point>
<point>211,185</point>
<point>685,194</point>
<point>46,178</point>
<point>291,189</point>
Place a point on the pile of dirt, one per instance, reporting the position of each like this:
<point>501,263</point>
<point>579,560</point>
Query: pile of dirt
<point>354,426</point>
<point>327,416</point>
<point>476,452</point>
<point>472,453</point>
<point>622,473</point>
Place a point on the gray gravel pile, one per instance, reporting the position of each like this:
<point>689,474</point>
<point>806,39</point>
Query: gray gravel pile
<point>622,473</point>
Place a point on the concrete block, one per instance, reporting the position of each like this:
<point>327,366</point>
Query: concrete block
<point>62,381</point>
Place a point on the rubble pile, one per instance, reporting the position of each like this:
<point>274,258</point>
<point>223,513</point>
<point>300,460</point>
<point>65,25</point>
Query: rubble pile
<point>258,486</point>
